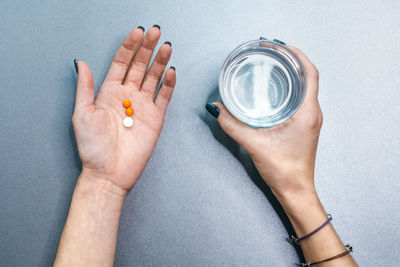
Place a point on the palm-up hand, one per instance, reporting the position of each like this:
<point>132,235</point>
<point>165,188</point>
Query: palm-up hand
<point>107,149</point>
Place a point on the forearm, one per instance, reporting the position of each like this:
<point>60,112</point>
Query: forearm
<point>90,232</point>
<point>306,214</point>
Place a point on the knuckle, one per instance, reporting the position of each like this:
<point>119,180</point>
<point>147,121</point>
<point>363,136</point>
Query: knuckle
<point>314,72</point>
<point>320,119</point>
<point>78,118</point>
<point>139,66</point>
<point>227,127</point>
<point>315,120</point>
<point>120,63</point>
<point>153,35</point>
<point>252,148</point>
<point>75,118</point>
<point>163,60</point>
<point>164,96</point>
<point>312,122</point>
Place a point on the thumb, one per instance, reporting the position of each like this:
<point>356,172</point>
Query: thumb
<point>236,129</point>
<point>85,85</point>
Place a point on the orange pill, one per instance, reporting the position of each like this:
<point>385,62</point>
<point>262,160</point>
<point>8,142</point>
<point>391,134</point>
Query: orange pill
<point>127,103</point>
<point>129,111</point>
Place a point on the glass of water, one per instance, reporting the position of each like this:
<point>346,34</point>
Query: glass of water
<point>262,83</point>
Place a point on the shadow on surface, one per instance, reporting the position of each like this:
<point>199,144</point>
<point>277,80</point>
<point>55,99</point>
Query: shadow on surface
<point>65,194</point>
<point>248,165</point>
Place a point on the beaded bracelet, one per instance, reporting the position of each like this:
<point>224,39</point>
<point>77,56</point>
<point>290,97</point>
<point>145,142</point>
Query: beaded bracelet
<point>349,249</point>
<point>297,240</point>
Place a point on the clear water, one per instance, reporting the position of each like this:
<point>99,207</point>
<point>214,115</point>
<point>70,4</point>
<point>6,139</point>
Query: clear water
<point>260,85</point>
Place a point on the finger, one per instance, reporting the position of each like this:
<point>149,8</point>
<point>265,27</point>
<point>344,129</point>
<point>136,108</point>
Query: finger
<point>85,86</point>
<point>123,57</point>
<point>236,129</point>
<point>167,88</point>
<point>312,75</point>
<point>153,76</point>
<point>142,58</point>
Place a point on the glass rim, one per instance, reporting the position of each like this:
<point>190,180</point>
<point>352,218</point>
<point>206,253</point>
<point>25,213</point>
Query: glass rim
<point>263,121</point>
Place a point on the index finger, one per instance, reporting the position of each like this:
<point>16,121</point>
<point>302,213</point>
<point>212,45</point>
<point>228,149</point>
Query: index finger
<point>123,57</point>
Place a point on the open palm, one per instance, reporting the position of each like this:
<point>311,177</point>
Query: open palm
<point>107,149</point>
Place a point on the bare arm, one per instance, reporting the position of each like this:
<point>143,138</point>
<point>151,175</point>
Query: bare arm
<point>285,157</point>
<point>306,213</point>
<point>113,156</point>
<point>90,233</point>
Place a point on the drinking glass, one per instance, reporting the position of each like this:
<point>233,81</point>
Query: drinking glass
<point>262,83</point>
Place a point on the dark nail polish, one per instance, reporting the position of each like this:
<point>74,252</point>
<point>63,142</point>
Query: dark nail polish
<point>158,26</point>
<point>168,43</point>
<point>279,42</point>
<point>76,64</point>
<point>141,27</point>
<point>212,109</point>
<point>172,67</point>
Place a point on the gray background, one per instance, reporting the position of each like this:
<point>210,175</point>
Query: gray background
<point>199,201</point>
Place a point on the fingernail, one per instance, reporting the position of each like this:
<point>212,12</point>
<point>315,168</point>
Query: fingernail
<point>141,27</point>
<point>212,109</point>
<point>168,43</point>
<point>76,64</point>
<point>279,42</point>
<point>172,67</point>
<point>158,26</point>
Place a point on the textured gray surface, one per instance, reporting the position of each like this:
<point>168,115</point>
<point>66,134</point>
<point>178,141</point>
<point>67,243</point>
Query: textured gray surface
<point>197,202</point>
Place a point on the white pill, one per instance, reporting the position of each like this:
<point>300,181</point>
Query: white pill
<point>127,122</point>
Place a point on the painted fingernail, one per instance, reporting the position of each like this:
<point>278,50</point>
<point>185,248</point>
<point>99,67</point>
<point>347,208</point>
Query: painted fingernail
<point>172,67</point>
<point>76,64</point>
<point>158,26</point>
<point>168,43</point>
<point>141,27</point>
<point>279,42</point>
<point>212,109</point>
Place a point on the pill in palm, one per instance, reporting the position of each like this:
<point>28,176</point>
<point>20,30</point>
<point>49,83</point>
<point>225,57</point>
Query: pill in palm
<point>127,122</point>
<point>127,103</point>
<point>129,111</point>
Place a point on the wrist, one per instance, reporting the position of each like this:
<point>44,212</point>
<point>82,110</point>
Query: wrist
<point>90,232</point>
<point>99,189</point>
<point>297,199</point>
<point>304,210</point>
<point>288,181</point>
